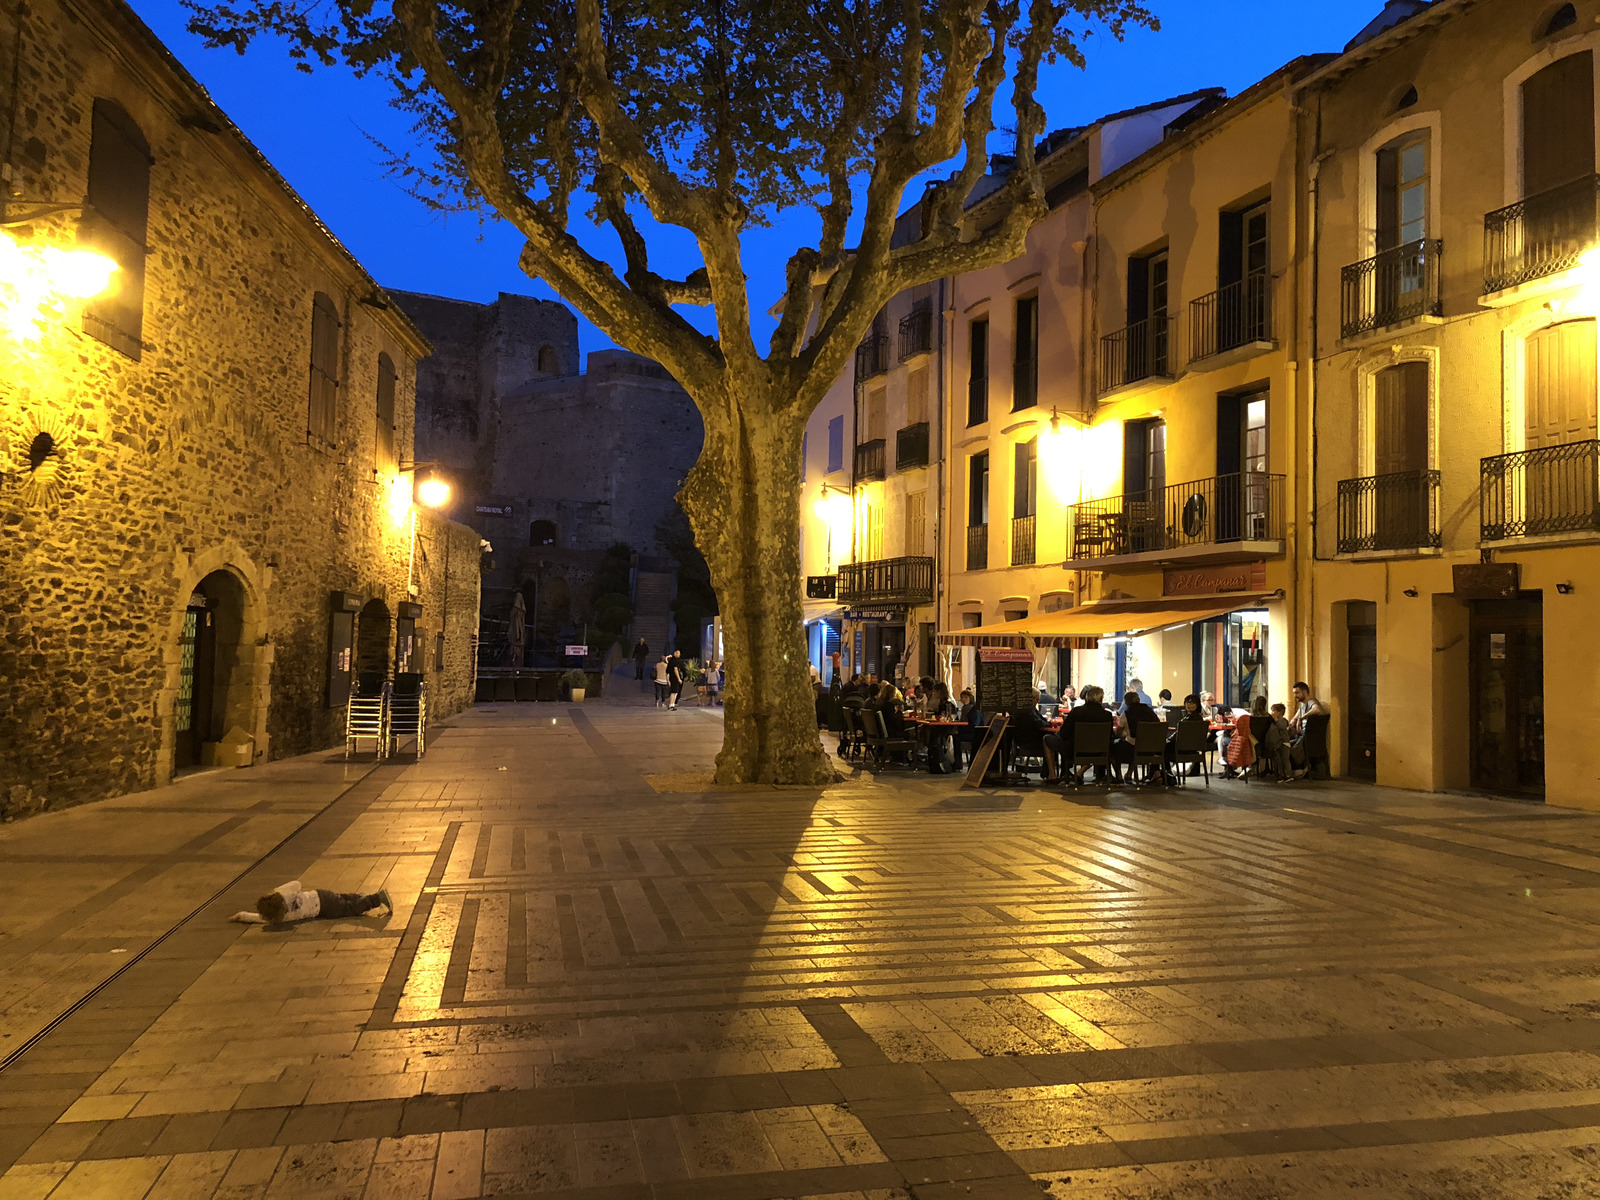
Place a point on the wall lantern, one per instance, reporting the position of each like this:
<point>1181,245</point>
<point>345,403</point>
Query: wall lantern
<point>37,281</point>
<point>429,488</point>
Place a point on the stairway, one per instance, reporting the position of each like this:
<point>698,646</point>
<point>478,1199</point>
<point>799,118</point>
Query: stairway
<point>652,611</point>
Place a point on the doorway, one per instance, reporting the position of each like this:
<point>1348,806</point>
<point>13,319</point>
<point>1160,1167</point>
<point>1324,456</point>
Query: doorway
<point>1507,693</point>
<point>1243,485</point>
<point>1560,412</point>
<point>372,648</point>
<point>197,673</point>
<point>1361,691</point>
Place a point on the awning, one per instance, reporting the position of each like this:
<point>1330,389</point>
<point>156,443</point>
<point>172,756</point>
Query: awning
<point>1081,628</point>
<point>816,610</point>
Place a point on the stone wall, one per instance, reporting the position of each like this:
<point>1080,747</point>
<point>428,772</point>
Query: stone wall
<point>131,482</point>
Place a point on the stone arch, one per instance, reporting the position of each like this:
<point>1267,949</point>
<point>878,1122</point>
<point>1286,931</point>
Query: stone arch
<point>374,637</point>
<point>241,650</point>
<point>549,361</point>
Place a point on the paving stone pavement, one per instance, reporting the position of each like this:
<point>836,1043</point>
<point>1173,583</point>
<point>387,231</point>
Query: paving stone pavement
<point>604,981</point>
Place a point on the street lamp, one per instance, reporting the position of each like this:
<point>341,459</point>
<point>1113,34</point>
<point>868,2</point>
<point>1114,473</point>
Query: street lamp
<point>35,280</point>
<point>430,489</point>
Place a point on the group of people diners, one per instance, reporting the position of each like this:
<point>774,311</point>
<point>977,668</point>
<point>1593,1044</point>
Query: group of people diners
<point>928,728</point>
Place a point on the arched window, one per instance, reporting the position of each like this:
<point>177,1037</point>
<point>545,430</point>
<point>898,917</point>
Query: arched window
<point>1408,99</point>
<point>1560,19</point>
<point>114,223</point>
<point>549,364</point>
<point>385,457</point>
<point>322,421</point>
<point>542,533</point>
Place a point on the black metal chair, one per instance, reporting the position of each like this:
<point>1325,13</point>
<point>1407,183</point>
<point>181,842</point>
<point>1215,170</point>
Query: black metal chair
<point>1150,752</point>
<point>854,738</point>
<point>1260,727</point>
<point>883,745</point>
<point>1189,747</point>
<point>1091,747</point>
<point>1314,745</point>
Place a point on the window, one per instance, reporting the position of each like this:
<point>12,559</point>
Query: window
<point>1562,18</point>
<point>978,489</point>
<point>438,652</point>
<point>978,372</point>
<point>1243,275</point>
<point>835,445</point>
<point>1147,316</point>
<point>916,531</point>
<point>1144,460</point>
<point>871,532</point>
<point>1025,356</point>
<point>542,533</point>
<point>1025,497</point>
<point>323,419</point>
<point>549,364</point>
<point>917,396</point>
<point>1403,172</point>
<point>1400,419</point>
<point>385,460</point>
<point>115,223</point>
<point>877,413</point>
<point>1558,129</point>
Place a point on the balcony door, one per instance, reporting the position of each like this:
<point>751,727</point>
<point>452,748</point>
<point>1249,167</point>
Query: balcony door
<point>1560,412</point>
<point>1144,482</point>
<point>1243,271</point>
<point>1244,487</point>
<point>1405,170</point>
<point>1147,348</point>
<point>1507,696</point>
<point>1558,219</point>
<point>1400,457</point>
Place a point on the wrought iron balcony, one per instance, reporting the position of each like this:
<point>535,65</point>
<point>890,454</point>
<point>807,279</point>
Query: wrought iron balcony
<point>911,447</point>
<point>872,356</point>
<point>869,460</point>
<point>1534,493</point>
<point>977,401</point>
<point>916,333</point>
<point>1141,351</point>
<point>822,587</point>
<point>1233,316</point>
<point>887,581</point>
<point>1218,511</point>
<point>1388,288</point>
<point>1022,541</point>
<point>1389,512</point>
<point>1540,235</point>
<point>977,547</point>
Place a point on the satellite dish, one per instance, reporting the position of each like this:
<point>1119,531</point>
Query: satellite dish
<point>1194,516</point>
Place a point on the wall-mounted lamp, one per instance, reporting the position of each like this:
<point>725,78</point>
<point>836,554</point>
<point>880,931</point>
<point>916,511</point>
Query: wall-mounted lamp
<point>1566,589</point>
<point>431,489</point>
<point>1412,592</point>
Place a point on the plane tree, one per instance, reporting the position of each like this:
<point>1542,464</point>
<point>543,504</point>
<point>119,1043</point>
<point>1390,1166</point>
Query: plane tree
<point>567,117</point>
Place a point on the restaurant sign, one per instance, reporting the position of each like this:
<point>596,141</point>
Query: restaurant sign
<point>871,614</point>
<point>991,654</point>
<point>1214,580</point>
<point>1485,581</point>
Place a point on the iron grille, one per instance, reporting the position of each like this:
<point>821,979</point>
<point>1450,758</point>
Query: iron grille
<point>977,547</point>
<point>1141,351</point>
<point>1230,317</point>
<point>1022,541</point>
<point>1554,489</point>
<point>1539,235</point>
<point>916,333</point>
<point>1226,508</point>
<point>1389,512</point>
<point>870,460</point>
<point>1396,285</point>
<point>887,581</point>
<point>911,447</point>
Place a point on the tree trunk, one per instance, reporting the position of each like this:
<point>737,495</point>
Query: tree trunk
<point>743,500</point>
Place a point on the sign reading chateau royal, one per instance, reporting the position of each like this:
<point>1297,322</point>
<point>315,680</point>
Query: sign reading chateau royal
<point>1213,580</point>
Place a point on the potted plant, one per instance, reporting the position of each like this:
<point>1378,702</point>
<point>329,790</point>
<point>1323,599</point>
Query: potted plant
<point>577,682</point>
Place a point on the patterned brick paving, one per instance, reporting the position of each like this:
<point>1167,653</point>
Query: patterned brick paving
<point>597,990</point>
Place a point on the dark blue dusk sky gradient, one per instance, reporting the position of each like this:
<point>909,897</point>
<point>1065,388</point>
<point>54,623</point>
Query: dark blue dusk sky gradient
<point>314,129</point>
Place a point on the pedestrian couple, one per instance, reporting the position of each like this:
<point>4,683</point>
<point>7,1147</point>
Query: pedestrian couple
<point>671,673</point>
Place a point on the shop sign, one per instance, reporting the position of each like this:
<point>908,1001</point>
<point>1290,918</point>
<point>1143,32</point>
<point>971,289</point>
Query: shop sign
<point>989,654</point>
<point>822,587</point>
<point>1485,581</point>
<point>871,614</point>
<point>493,510</point>
<point>1214,580</point>
<point>346,602</point>
<point>577,651</point>
<point>408,610</point>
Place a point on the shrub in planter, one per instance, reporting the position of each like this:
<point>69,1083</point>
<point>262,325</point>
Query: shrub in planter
<point>576,682</point>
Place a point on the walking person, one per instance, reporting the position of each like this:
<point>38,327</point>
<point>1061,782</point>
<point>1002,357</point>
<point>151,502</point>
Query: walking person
<point>677,673</point>
<point>641,653</point>
<point>661,681</point>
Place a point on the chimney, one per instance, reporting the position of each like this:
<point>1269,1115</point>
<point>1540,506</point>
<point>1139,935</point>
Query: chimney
<point>1395,12</point>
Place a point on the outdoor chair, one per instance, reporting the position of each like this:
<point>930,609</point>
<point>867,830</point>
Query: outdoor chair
<point>1091,747</point>
<point>1189,747</point>
<point>886,745</point>
<point>854,737</point>
<point>1150,751</point>
<point>1259,728</point>
<point>1314,744</point>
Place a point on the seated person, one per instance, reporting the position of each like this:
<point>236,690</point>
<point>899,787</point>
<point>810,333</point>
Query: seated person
<point>1163,702</point>
<point>1193,710</point>
<point>1135,713</point>
<point>1028,728</point>
<point>892,705</point>
<point>1060,745</point>
<point>1238,747</point>
<point>1278,742</point>
<point>969,738</point>
<point>1306,705</point>
<point>1069,697</point>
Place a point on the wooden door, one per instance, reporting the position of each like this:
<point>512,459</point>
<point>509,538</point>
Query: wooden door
<point>1361,693</point>
<point>1400,456</point>
<point>196,678</point>
<point>1507,696</point>
<point>1560,488</point>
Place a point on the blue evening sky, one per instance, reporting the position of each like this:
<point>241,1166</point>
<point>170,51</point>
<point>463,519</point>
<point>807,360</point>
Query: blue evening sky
<point>315,129</point>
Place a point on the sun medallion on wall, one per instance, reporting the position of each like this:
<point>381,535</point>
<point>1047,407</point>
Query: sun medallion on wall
<point>39,460</point>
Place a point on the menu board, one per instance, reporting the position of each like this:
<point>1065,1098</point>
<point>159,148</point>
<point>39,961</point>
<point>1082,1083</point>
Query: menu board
<point>1005,679</point>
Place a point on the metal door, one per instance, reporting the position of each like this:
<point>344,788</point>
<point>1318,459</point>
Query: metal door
<point>1507,696</point>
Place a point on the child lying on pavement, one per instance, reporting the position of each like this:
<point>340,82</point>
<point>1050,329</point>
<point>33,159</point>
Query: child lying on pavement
<point>291,902</point>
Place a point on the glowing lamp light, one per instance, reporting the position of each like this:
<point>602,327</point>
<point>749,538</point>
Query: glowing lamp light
<point>399,500</point>
<point>433,492</point>
<point>80,274</point>
<point>1585,299</point>
<point>36,281</point>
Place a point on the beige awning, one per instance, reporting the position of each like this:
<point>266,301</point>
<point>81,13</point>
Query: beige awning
<point>1081,628</point>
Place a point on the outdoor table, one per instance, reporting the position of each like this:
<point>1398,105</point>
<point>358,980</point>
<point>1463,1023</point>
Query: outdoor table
<point>925,723</point>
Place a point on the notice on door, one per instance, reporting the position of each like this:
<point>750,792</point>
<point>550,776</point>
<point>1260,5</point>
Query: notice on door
<point>1497,646</point>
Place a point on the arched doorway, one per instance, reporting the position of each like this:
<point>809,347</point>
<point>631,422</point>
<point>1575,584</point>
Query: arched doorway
<point>212,695</point>
<point>373,639</point>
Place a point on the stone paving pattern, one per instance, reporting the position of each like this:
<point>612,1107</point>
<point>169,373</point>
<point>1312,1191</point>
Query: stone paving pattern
<point>602,984</point>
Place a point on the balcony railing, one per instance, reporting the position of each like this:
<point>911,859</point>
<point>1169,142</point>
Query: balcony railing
<point>887,581</point>
<point>872,356</point>
<point>977,400</point>
<point>911,447</point>
<point>1532,493</point>
<point>822,587</point>
<point>1388,288</point>
<point>977,547</point>
<point>1389,512</point>
<point>1141,351</point>
<point>1204,512</point>
<point>869,460</point>
<point>1539,235</point>
<point>916,333</point>
<point>1022,541</point>
<point>1230,317</point>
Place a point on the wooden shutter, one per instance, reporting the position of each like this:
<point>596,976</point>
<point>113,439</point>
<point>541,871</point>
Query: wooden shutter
<point>1230,248</point>
<point>1558,124</point>
<point>1138,290</point>
<point>322,418</point>
<point>1024,480</point>
<point>1134,461</point>
<point>1388,211</point>
<point>916,531</point>
<point>116,223</point>
<point>877,413</point>
<point>917,396</point>
<point>1561,383</point>
<point>1400,419</point>
<point>386,441</point>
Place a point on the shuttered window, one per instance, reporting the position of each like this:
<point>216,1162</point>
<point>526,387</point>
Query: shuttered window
<point>1561,385</point>
<point>385,456</point>
<point>322,420</point>
<point>115,224</point>
<point>1558,124</point>
<point>1400,425</point>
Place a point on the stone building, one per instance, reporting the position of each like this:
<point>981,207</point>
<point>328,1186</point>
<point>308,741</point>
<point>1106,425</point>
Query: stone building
<point>206,518</point>
<point>556,467</point>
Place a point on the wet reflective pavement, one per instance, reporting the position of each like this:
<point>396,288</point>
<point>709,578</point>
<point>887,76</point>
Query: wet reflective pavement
<point>603,981</point>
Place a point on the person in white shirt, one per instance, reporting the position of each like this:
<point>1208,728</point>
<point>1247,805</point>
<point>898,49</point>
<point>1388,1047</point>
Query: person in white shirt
<point>661,681</point>
<point>290,902</point>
